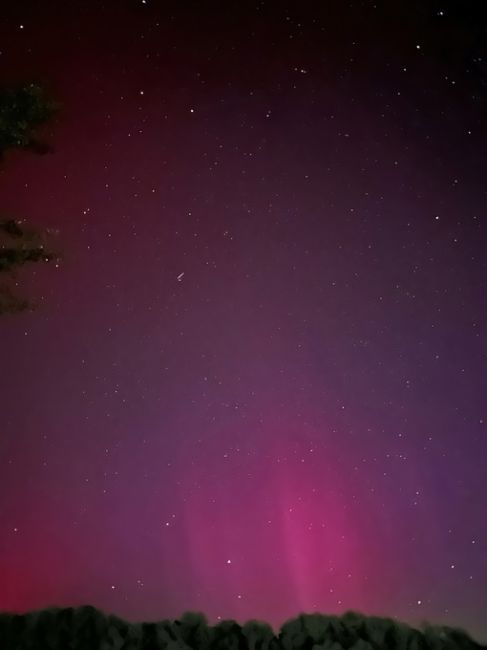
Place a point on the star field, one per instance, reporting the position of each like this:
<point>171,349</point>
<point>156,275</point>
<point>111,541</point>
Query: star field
<point>255,383</point>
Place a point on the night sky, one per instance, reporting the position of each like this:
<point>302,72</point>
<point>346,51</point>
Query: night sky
<point>255,384</point>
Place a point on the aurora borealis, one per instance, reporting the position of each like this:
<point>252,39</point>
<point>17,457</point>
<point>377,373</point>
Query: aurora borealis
<point>255,384</point>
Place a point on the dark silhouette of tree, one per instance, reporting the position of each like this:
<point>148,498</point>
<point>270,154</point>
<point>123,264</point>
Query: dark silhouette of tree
<point>22,112</point>
<point>259,635</point>
<point>151,640</point>
<point>194,631</point>
<point>228,636</point>
<point>87,628</point>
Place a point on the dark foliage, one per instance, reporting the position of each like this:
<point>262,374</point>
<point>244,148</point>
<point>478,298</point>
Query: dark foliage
<point>18,246</point>
<point>22,112</point>
<point>86,628</point>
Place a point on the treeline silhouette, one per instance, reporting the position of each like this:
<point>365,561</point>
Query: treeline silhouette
<point>87,628</point>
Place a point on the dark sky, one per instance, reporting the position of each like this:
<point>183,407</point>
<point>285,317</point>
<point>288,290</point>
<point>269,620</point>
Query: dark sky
<point>256,384</point>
